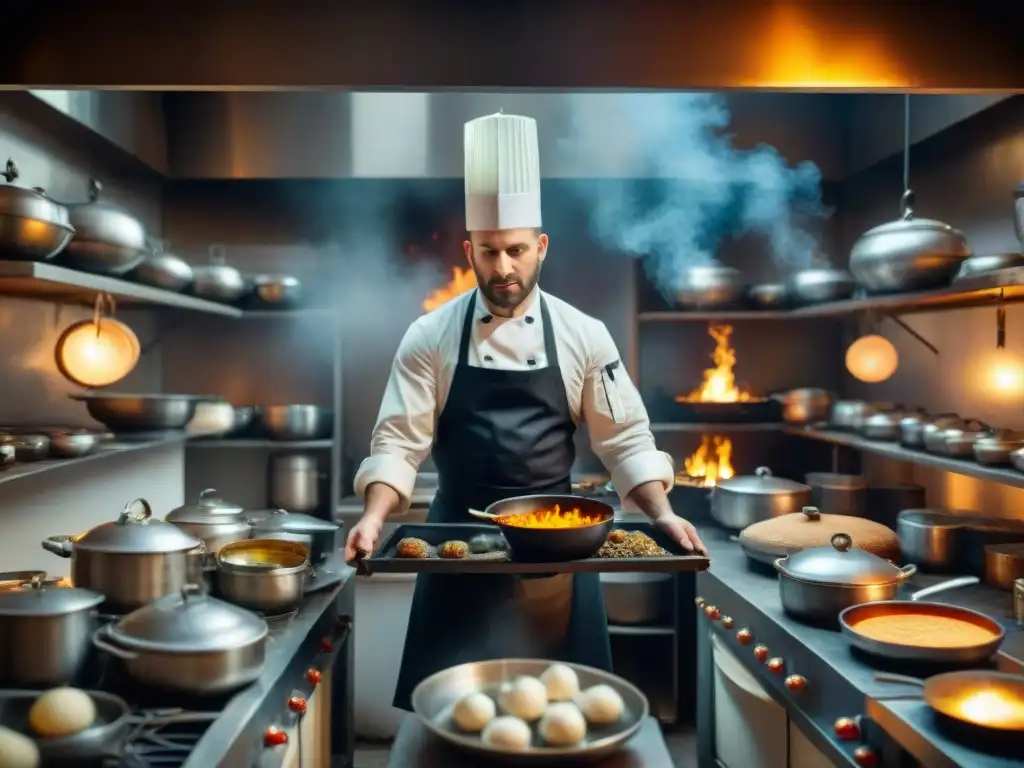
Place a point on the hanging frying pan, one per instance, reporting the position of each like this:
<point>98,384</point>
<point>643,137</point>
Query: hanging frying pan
<point>985,706</point>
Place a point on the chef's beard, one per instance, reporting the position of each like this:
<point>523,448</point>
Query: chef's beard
<point>508,299</point>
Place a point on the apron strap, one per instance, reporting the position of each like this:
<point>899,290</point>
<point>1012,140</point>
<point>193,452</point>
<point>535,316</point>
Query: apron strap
<point>550,348</point>
<point>467,329</point>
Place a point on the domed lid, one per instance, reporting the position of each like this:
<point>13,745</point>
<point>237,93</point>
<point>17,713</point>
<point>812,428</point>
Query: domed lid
<point>29,203</point>
<point>189,621</point>
<point>762,482</point>
<point>280,521</point>
<point>38,599</point>
<point>98,220</point>
<point>136,532</point>
<point>209,503</point>
<point>840,564</point>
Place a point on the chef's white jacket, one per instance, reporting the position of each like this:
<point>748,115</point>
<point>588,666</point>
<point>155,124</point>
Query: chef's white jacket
<point>597,386</point>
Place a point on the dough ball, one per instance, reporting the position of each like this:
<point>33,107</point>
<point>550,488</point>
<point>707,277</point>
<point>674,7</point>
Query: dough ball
<point>61,712</point>
<point>561,682</point>
<point>412,548</point>
<point>562,725</point>
<point>509,733</point>
<point>601,705</point>
<point>17,750</point>
<point>524,697</point>
<point>473,711</point>
<point>453,550</point>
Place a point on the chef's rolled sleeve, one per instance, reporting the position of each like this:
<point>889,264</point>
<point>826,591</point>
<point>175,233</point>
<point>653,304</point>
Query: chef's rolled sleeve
<point>614,412</point>
<point>405,424</point>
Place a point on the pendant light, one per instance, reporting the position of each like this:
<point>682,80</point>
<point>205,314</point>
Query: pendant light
<point>98,352</point>
<point>872,358</point>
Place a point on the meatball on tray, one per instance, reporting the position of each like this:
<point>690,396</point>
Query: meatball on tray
<point>481,548</point>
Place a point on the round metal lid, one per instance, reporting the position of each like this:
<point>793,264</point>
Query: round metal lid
<point>209,503</point>
<point>840,564</point>
<point>187,622</point>
<point>762,482</point>
<point>97,220</point>
<point>136,532</point>
<point>285,522</point>
<point>29,203</point>
<point>37,599</point>
<point>930,518</point>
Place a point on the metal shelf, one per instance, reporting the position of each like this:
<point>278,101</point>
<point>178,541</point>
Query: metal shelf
<point>1005,286</point>
<point>258,443</point>
<point>105,451</point>
<point>288,314</point>
<point>39,280</point>
<point>716,427</point>
<point>1009,477</point>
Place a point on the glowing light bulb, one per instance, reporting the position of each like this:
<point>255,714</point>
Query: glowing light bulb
<point>97,356</point>
<point>872,359</point>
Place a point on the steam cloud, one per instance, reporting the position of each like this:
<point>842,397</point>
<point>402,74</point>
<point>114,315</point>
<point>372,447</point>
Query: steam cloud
<point>700,188</point>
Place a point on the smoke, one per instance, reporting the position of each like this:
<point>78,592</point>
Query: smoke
<point>698,188</point>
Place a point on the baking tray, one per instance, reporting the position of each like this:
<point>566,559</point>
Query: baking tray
<point>384,559</point>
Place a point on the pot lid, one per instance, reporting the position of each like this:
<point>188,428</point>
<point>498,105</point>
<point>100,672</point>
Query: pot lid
<point>285,522</point>
<point>38,599</point>
<point>931,518</point>
<point>29,203</point>
<point>762,482</point>
<point>97,220</point>
<point>136,532</point>
<point>209,504</point>
<point>189,621</point>
<point>840,564</point>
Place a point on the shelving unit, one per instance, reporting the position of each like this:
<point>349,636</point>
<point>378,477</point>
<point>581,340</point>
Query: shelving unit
<point>720,427</point>
<point>259,444</point>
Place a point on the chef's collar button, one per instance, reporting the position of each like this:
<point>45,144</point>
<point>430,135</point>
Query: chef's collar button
<point>488,359</point>
<point>529,319</point>
<point>486,319</point>
<point>531,361</point>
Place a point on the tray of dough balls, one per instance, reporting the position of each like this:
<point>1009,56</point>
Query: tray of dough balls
<point>60,727</point>
<point>481,548</point>
<point>532,710</point>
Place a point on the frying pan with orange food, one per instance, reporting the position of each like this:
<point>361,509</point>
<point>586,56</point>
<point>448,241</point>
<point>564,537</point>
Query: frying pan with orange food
<point>551,529</point>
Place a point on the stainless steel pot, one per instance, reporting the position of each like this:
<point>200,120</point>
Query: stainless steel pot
<point>209,503</point>
<point>210,518</point>
<point>124,414</point>
<point>133,560</point>
<point>263,575</point>
<point>820,582</point>
<point>297,422</point>
<point>276,291</point>
<point>983,265</point>
<point>1017,459</point>
<point>807,405</point>
<point>28,447</point>
<point>295,482</point>
<point>634,598</point>
<point>107,240</point>
<point>994,450</point>
<point>912,427</point>
<point>958,440</point>
<point>836,493</point>
<point>930,538</point>
<point>768,296</point>
<point>188,642</point>
<point>933,432</point>
<point>1004,564</point>
<point>883,426</point>
<point>908,254</point>
<point>163,270</point>
<point>217,281</point>
<point>73,444</point>
<point>45,634</point>
<point>848,414</point>
<point>709,287</point>
<point>818,285</point>
<point>747,499</point>
<point>32,226</point>
<point>319,535</point>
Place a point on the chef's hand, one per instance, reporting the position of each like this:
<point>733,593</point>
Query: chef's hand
<point>682,532</point>
<point>362,539</point>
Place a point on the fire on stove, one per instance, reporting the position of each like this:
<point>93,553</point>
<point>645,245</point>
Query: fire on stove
<point>711,462</point>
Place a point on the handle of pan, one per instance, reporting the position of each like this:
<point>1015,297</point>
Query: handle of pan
<point>483,515</point>
<point>888,677</point>
<point>942,586</point>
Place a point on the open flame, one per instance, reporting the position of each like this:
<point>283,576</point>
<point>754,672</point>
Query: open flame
<point>709,463</point>
<point>462,280</point>
<point>719,382</point>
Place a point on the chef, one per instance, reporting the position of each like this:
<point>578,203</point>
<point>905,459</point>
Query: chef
<point>493,385</point>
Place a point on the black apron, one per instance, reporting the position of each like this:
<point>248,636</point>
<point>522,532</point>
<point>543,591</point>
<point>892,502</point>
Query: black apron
<point>501,434</point>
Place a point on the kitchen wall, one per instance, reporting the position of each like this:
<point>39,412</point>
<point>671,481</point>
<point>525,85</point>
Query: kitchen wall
<point>964,176</point>
<point>72,499</point>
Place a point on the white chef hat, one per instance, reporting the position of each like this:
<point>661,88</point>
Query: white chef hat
<point>502,173</point>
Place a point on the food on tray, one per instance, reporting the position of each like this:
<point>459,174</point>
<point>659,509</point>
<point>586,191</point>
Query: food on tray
<point>412,548</point>
<point>617,536</point>
<point>601,705</point>
<point>453,550</point>
<point>483,543</point>
<point>525,698</point>
<point>561,682</point>
<point>631,544</point>
<point>562,725</point>
<point>551,518</point>
<point>17,750</point>
<point>474,711</point>
<point>923,630</point>
<point>62,712</point>
<point>507,732</point>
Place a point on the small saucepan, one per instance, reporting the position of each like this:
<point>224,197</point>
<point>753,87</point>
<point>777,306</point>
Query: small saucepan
<point>547,545</point>
<point>984,704</point>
